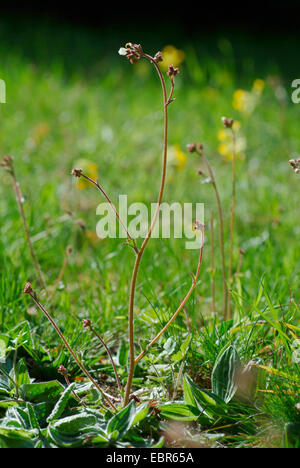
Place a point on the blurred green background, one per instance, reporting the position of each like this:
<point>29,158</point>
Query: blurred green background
<point>71,97</point>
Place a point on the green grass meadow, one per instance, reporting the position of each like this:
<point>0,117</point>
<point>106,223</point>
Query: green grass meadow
<point>71,97</point>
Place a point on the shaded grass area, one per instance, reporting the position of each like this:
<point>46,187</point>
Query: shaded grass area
<point>69,97</point>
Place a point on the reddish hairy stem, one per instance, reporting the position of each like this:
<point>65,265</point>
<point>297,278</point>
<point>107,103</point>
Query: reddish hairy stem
<point>221,231</point>
<point>233,204</point>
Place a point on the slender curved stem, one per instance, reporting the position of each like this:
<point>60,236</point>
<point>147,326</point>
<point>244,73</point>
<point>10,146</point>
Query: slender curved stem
<point>109,355</point>
<point>74,393</point>
<point>146,240</point>
<point>96,184</point>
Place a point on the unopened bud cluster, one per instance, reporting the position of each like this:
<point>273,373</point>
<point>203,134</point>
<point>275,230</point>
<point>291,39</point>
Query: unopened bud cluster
<point>295,165</point>
<point>7,163</point>
<point>76,172</point>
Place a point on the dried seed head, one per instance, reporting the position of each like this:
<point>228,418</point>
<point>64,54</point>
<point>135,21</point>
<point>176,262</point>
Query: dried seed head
<point>86,322</point>
<point>228,123</point>
<point>76,172</point>
<point>172,72</point>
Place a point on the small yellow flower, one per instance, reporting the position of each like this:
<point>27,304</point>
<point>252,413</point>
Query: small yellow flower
<point>223,149</point>
<point>90,169</point>
<point>258,86</point>
<point>92,236</point>
<point>171,56</point>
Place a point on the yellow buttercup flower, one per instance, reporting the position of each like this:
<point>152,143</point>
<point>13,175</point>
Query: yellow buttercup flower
<point>39,132</point>
<point>258,86</point>
<point>171,56</point>
<point>90,169</point>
